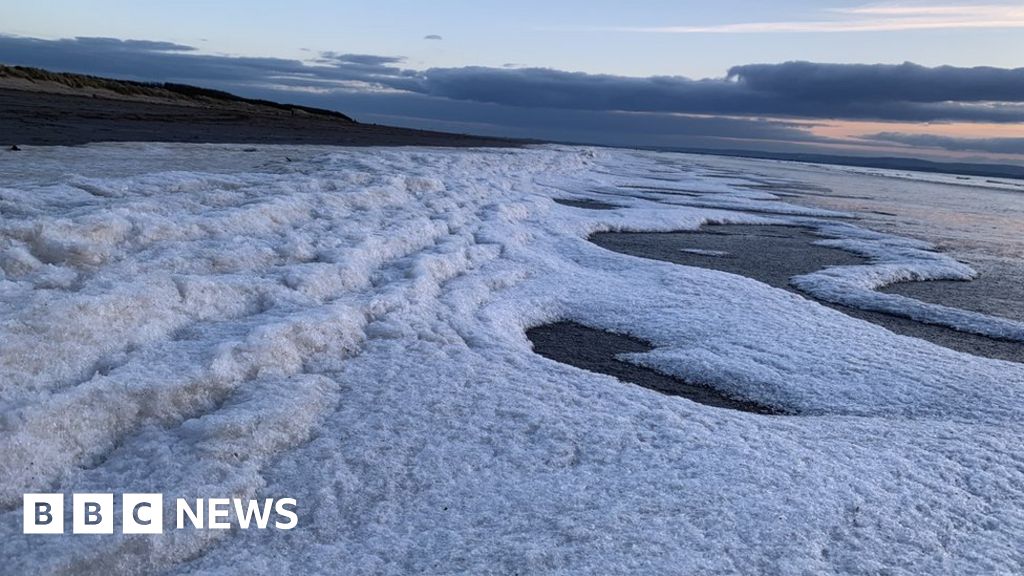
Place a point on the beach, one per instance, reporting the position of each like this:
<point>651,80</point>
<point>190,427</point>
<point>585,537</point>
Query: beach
<point>491,360</point>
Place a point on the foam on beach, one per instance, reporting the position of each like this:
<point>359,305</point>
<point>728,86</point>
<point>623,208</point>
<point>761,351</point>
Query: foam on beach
<point>347,327</point>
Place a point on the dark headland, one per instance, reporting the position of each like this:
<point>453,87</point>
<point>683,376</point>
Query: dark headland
<point>38,107</point>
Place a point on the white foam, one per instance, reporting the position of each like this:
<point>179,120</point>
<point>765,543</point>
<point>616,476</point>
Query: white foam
<point>348,329</point>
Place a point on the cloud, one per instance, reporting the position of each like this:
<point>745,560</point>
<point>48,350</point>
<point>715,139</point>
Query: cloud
<point>365,59</point>
<point>967,10</point>
<point>866,18</point>
<point>905,92</point>
<point>989,145</point>
<point>905,82</point>
<point>433,37</point>
<point>139,59</point>
<point>124,46</point>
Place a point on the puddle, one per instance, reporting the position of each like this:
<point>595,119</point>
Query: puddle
<point>595,350</point>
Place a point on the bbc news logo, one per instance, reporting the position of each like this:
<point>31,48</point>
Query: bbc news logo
<point>144,513</point>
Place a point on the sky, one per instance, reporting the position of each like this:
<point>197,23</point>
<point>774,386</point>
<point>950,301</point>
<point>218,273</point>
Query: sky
<point>936,79</point>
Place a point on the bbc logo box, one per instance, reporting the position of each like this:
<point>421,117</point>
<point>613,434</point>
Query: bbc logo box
<point>93,513</point>
<point>43,514</point>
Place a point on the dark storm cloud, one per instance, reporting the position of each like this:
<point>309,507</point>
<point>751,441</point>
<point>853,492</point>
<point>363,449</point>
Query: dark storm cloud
<point>990,145</point>
<point>907,92</point>
<point>815,98</point>
<point>905,82</point>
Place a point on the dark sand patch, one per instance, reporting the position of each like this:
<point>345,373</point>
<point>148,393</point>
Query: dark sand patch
<point>585,203</point>
<point>673,178</point>
<point>800,191</point>
<point>773,254</point>
<point>647,197</point>
<point>671,191</point>
<point>784,209</point>
<point>707,201</point>
<point>595,350</point>
<point>783,186</point>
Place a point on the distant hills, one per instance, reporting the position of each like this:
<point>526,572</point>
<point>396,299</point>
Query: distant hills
<point>176,93</point>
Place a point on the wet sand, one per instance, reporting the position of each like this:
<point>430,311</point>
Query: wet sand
<point>998,291</point>
<point>595,350</point>
<point>43,118</point>
<point>773,254</point>
<point>585,203</point>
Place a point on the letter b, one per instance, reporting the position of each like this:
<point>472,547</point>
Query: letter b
<point>43,514</point>
<point>92,514</point>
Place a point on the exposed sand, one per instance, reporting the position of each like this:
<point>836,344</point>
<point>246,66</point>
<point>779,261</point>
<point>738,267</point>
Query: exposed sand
<point>585,203</point>
<point>998,291</point>
<point>596,351</point>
